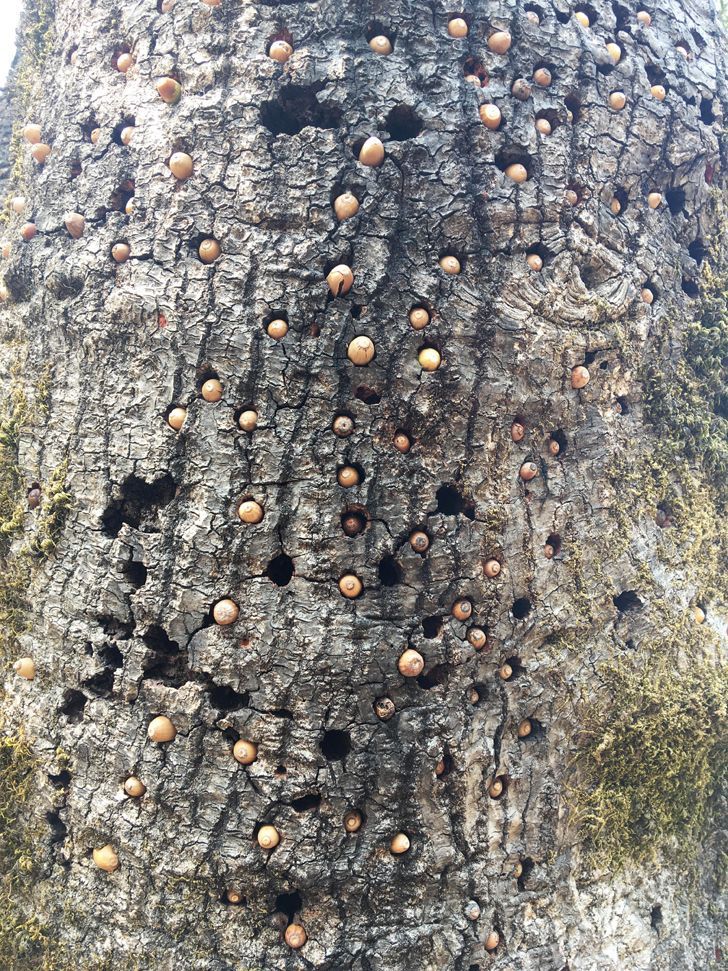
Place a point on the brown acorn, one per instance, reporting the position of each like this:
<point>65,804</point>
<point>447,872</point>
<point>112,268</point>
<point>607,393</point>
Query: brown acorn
<point>462,609</point>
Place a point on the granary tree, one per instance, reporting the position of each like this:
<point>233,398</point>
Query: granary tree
<point>362,486</point>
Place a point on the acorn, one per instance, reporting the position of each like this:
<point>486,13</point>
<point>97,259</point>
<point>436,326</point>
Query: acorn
<point>280,50</point>
<point>28,231</point>
<point>528,471</point>
<point>548,551</point>
<point>120,252</point>
<point>161,729</point>
<point>17,204</point>
<point>499,42</point>
<point>658,91</point>
<point>34,498</point>
<point>176,418</point>
<point>233,895</point>
<point>384,709</point>
<point>268,837</point>
<point>245,752</point>
<point>492,941</point>
<point>181,165</point>
<point>542,77</point>
<point>250,512</point>
<point>518,870</point>
<point>491,116</point>
<point>347,476</point>
<point>644,18</point>
<point>124,62</point>
<point>615,52</point>
<point>473,695</point>
<point>521,89</point>
<point>32,134</point>
<point>517,172</point>
<point>248,420</point>
<point>361,350</point>
<point>429,359</point>
<point>402,442</point>
<point>647,295</point>
<point>517,431</point>
<point>134,787</point>
<point>277,329</point>
<point>698,615</point>
<point>477,638</point>
<point>169,90</point>
<point>581,18</point>
<point>473,79</point>
<point>654,199</point>
<point>532,17</point>
<point>127,134</point>
<point>345,206</point>
<point>450,264</point>
<point>617,100</point>
<point>492,568</point>
<point>472,910</point>
<point>543,126</point>
<point>75,224</point>
<point>225,612</point>
<point>411,663</point>
<point>211,390</point>
<point>535,262</point>
<point>457,27</point>
<point>419,541</point>
<point>372,152</point>
<point>615,206</point>
<point>462,609</point>
<point>353,820</point>
<point>350,586</point>
<point>295,936</point>
<point>212,3</point>
<point>342,426</point>
<point>340,280</point>
<point>25,668</point>
<point>525,728</point>
<point>381,45</point>
<point>440,767</point>
<point>505,671</point>
<point>209,250</point>
<point>419,317</point>
<point>106,858</point>
<point>554,447</point>
<point>495,789</point>
<point>579,377</point>
<point>400,844</point>
<point>571,197</point>
<point>40,153</point>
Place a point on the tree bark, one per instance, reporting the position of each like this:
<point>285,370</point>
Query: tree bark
<point>110,583</point>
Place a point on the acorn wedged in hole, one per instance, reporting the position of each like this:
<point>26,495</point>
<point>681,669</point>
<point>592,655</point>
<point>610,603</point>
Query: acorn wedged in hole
<point>347,477</point>
<point>400,844</point>
<point>419,318</point>
<point>106,858</point>
<point>209,250</point>
<point>268,837</point>
<point>225,612</point>
<point>492,941</point>
<point>524,728</point>
<point>340,280</point>
<point>245,752</point>
<point>350,586</point>
<point>295,936</point>
<point>169,90</point>
<point>528,471</point>
<point>361,350</point>
<point>505,672</point>
<point>477,638</point>
<point>450,264</point>
<point>161,729</point>
<point>211,390</point>
<point>345,206</point>
<point>181,165</point>
<point>40,153</point>
<point>352,524</point>
<point>495,789</point>
<point>353,820</point>
<point>491,116</point>
<point>517,172</point>
<point>429,359</point>
<point>411,663</point>
<point>517,431</point>
<point>248,420</point>
<point>492,568</point>
<point>499,42</point>
<point>250,511</point>
<point>462,609</point>
<point>579,377</point>
<point>384,709</point>
<point>24,667</point>
<point>134,787</point>
<point>381,45</point>
<point>402,442</point>
<point>419,541</point>
<point>280,51</point>
<point>457,27</point>
<point>371,153</point>
<point>342,426</point>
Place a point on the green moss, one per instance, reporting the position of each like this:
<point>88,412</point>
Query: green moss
<point>56,504</point>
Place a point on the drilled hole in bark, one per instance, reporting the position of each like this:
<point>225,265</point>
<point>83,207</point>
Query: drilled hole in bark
<point>697,250</point>
<point>296,108</point>
<point>61,780</point>
<point>358,310</point>
<point>74,169</point>
<point>432,627</point>
<point>136,573</point>
<point>559,437</point>
<point>224,698</point>
<point>474,66</point>
<point>280,770</point>
<point>166,663</point>
<point>116,628</point>
<point>691,288</point>
<point>588,10</point>
<point>534,8</point>
<point>623,16</point>
<point>282,713</point>
<point>562,16</point>
<point>698,38</point>
<point>527,868</point>
<point>139,505</point>
<point>57,827</point>
<point>434,677</point>
<point>282,34</point>
<point>128,122</point>
<point>121,196</point>
<point>627,600</point>
<point>451,502</point>
<point>73,705</point>
<point>368,395</point>
<point>280,570</point>
<point>539,250</point>
<point>375,28</point>
<point>656,76</point>
<point>656,917</point>
<point>335,745</point>
<point>517,669</point>
<point>521,608</point>
<point>675,199</point>
<point>573,105</point>
<point>554,541</point>
<point>305,804</point>
<point>102,683</point>
<point>289,904</point>
<point>706,111</point>
<point>389,571</point>
<point>353,522</point>
<point>403,123</point>
<point>550,115</point>
<point>622,406</point>
<point>537,732</point>
<point>590,357</point>
<point>477,693</point>
<point>514,155</point>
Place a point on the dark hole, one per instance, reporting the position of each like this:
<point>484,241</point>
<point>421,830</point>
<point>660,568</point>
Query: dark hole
<point>480,690</point>
<point>280,570</point>
<point>559,437</point>
<point>622,16</point>
<point>691,288</point>
<point>335,745</point>
<point>101,683</point>
<point>136,573</point>
<point>624,408</point>
<point>390,572</point>
<point>534,8</point>
<point>166,663</point>
<point>402,123</point>
<point>280,770</point>
<point>627,600</point>
<point>375,28</point>
<point>224,698</point>
<point>368,395</point>
<point>573,104</point>
<point>473,66</point>
<point>126,123</point>
<point>450,502</point>
<point>698,38</point>
<point>512,154</point>
<point>118,629</point>
<point>516,666</point>
<point>554,541</point>
<point>521,608</point>
<point>539,250</point>
<point>697,250</point>
<point>282,713</point>
<point>73,705</point>
<point>655,75</point>
<point>61,780</point>
<point>357,310</point>
<point>139,504</point>
<point>289,904</point>
<point>656,917</point>
<point>527,865</point>
<point>437,675</point>
<point>537,732</point>
<point>706,111</point>
<point>590,357</point>
<point>675,199</point>
<point>58,828</point>
<point>432,626</point>
<point>157,639</point>
<point>622,198</point>
<point>88,648</point>
<point>296,108</point>
<point>562,16</point>
<point>306,803</point>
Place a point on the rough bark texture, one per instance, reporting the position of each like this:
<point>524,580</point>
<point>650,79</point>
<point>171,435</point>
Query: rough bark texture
<point>112,597</point>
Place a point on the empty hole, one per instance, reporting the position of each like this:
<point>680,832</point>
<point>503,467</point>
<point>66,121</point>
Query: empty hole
<point>527,868</point>
<point>136,573</point>
<point>450,502</point>
<point>573,105</point>
<point>390,572</point>
<point>698,38</point>
<point>691,288</point>
<point>357,310</point>
<point>627,600</point>
<point>434,677</point>
<point>675,199</point>
<point>375,28</point>
<point>402,123</point>
<point>306,803</point>
<point>335,745</point>
<point>623,16</point>
<point>697,250</point>
<point>282,713</point>
<point>623,404</point>
<point>706,111</point>
<point>280,570</point>
<point>166,663</point>
<point>368,395</point>
<point>432,627</point>
<point>224,698</point>
<point>296,108</point>
<point>73,705</point>
<point>562,16</point>
<point>139,504</point>
<point>656,917</point>
<point>590,357</point>
<point>521,608</point>
<point>57,826</point>
<point>280,770</point>
<point>289,904</point>
<point>61,780</point>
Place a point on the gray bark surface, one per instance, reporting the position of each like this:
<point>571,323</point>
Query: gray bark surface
<point>120,614</point>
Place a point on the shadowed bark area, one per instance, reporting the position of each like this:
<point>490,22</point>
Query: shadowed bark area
<point>111,581</point>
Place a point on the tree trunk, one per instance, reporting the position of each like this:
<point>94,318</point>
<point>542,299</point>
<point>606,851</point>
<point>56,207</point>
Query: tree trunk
<point>557,786</point>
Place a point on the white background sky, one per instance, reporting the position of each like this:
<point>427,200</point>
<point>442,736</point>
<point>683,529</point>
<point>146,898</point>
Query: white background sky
<point>10,17</point>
